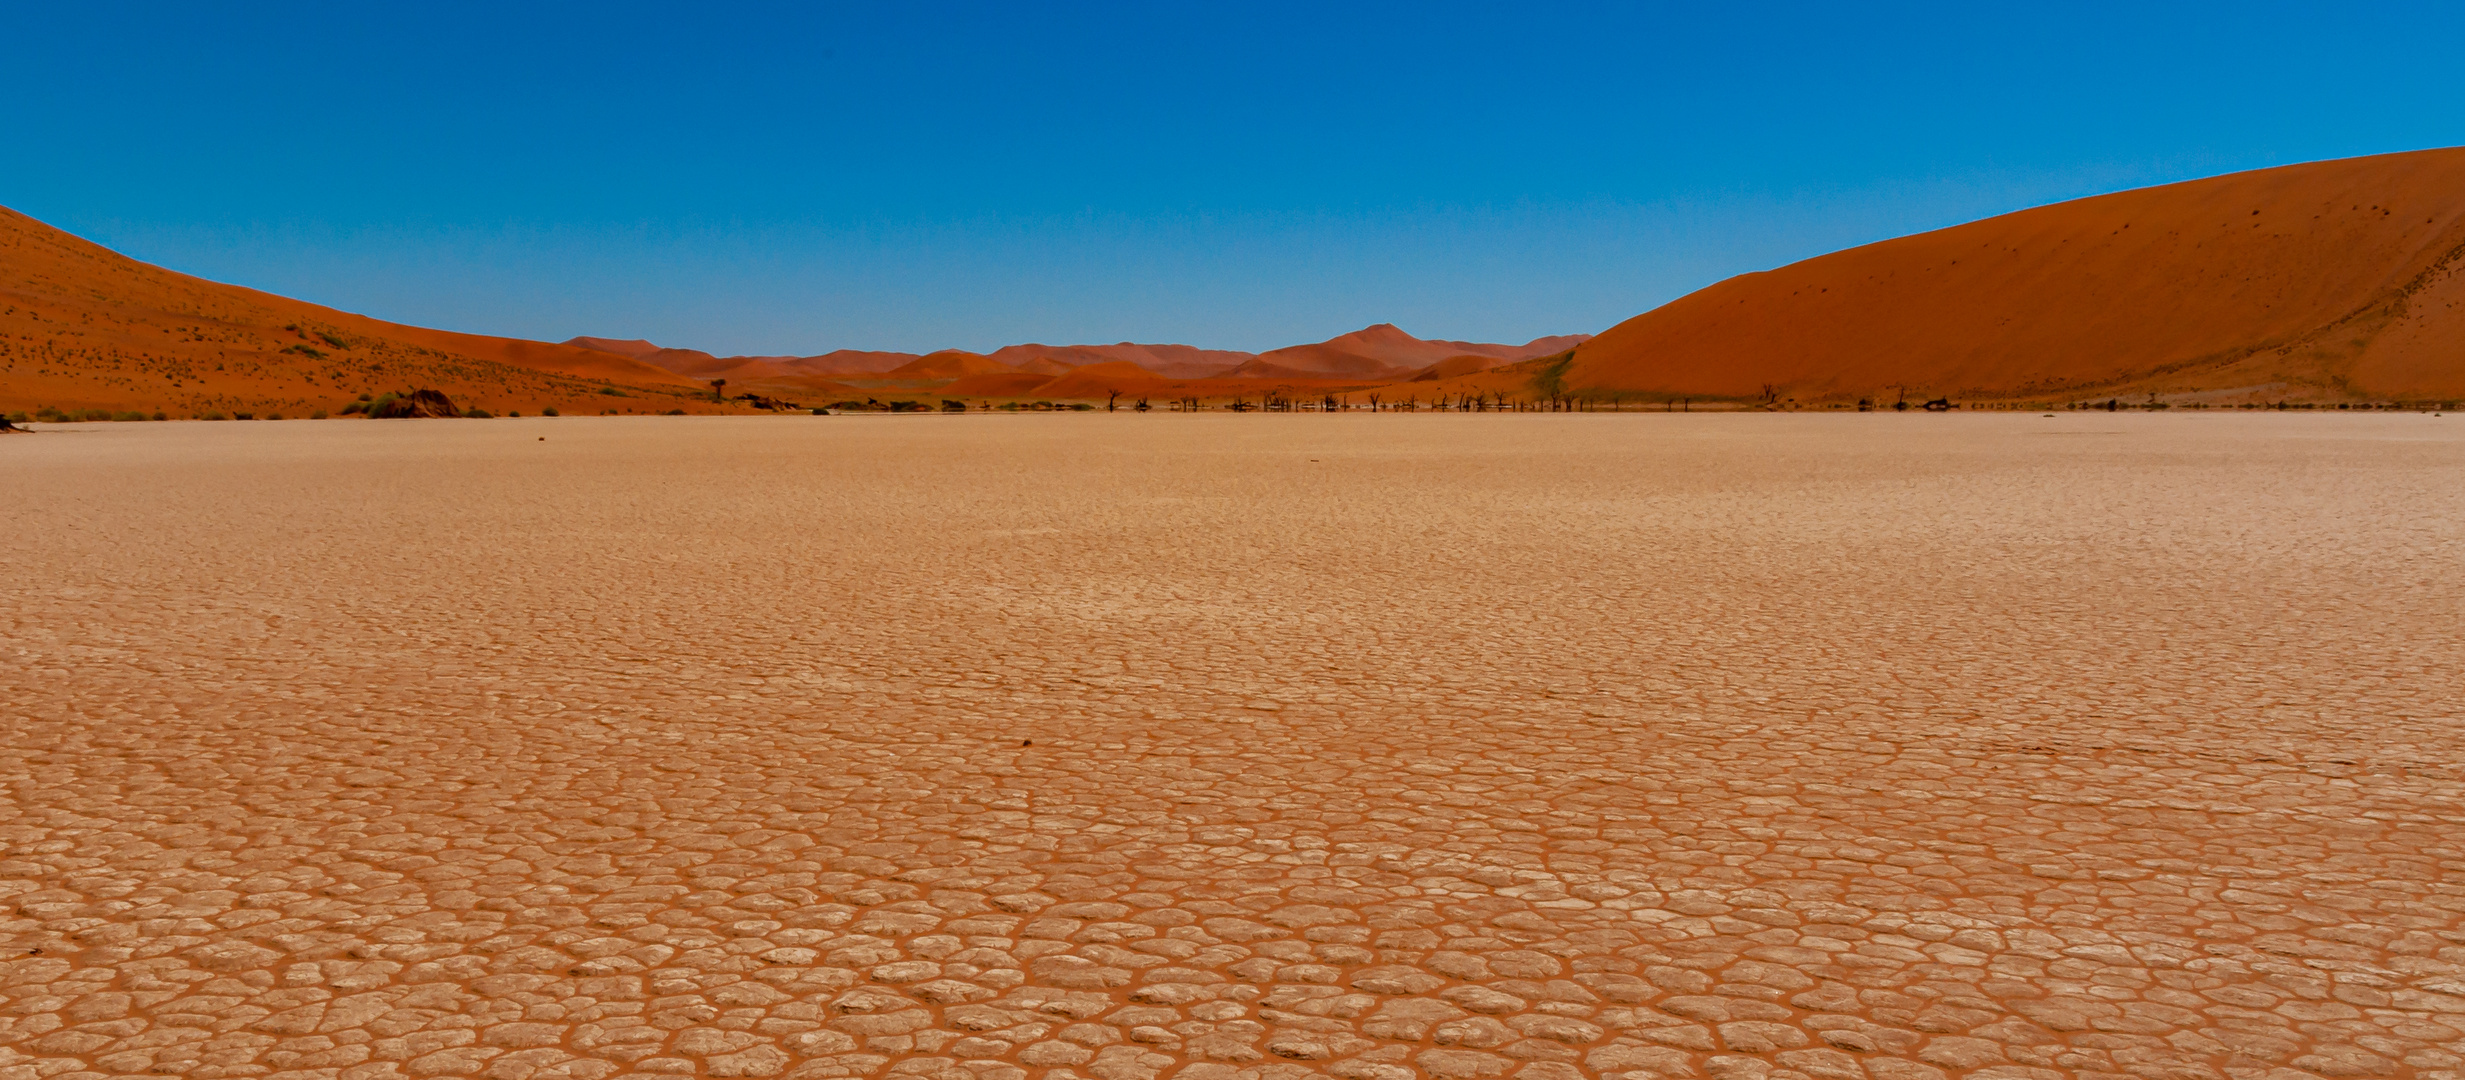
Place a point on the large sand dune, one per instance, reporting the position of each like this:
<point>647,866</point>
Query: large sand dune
<point>1236,748</point>
<point>2332,279</point>
<point>84,327</point>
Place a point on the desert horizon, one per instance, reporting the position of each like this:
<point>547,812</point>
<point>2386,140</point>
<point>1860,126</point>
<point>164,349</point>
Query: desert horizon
<point>1558,543</point>
<point>2323,294</point>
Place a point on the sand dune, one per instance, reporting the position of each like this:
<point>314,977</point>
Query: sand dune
<point>1385,351</point>
<point>1170,361</point>
<point>999,384</point>
<point>1376,353</point>
<point>948,364</point>
<point>2335,278</point>
<point>83,327</point>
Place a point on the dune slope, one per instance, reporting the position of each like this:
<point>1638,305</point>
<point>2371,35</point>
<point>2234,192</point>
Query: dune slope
<point>2329,279</point>
<point>83,327</point>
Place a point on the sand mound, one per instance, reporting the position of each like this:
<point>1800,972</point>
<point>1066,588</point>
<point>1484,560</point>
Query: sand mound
<point>2335,278</point>
<point>949,364</point>
<point>1384,351</point>
<point>1097,382</point>
<point>633,347</point>
<point>83,327</point>
<point>997,384</point>
<point>1170,361</point>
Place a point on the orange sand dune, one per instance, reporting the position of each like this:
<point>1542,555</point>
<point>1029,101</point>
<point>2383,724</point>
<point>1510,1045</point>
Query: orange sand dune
<point>701,365</point>
<point>83,327</point>
<point>1384,352</point>
<point>948,364</point>
<point>847,362</point>
<point>633,347</point>
<point>1378,353</point>
<point>1453,366</point>
<point>1000,384</point>
<point>2333,279</point>
<point>1100,381</point>
<point>1170,361</point>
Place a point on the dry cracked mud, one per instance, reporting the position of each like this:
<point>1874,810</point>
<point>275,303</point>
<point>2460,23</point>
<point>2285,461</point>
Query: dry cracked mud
<point>1235,748</point>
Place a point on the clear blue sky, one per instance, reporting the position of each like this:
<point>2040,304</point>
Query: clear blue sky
<point>798,178</point>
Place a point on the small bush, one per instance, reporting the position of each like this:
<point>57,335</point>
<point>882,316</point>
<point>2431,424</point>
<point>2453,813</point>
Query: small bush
<point>819,411</point>
<point>129,417</point>
<point>160,415</point>
<point>19,418</point>
<point>95,414</point>
<point>613,392</point>
<point>333,341</point>
<point>317,415</point>
<point>676,412</point>
<point>303,350</point>
<point>237,415</point>
<point>211,415</point>
<point>948,405</point>
<point>477,414</point>
<point>549,411</point>
<point>363,397</point>
<point>273,416</point>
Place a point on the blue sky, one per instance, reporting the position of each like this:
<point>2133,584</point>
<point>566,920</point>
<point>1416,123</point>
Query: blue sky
<point>799,178</point>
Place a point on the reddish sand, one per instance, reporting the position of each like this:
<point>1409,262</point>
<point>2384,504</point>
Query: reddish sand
<point>2331,279</point>
<point>82,327</point>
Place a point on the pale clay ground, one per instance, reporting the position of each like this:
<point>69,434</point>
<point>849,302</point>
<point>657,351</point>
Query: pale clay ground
<point>1443,746</point>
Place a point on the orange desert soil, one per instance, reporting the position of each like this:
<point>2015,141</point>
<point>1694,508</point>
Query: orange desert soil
<point>1455,747</point>
<point>2334,279</point>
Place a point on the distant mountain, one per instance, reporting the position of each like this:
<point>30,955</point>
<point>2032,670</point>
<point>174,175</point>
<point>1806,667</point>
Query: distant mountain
<point>1386,352</point>
<point>1171,361</point>
<point>1380,351</point>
